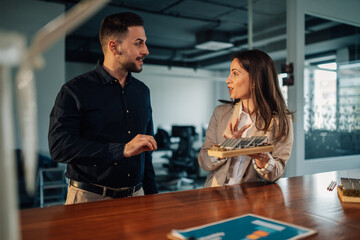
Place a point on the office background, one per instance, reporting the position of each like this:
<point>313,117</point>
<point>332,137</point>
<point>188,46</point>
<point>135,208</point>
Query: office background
<point>185,87</point>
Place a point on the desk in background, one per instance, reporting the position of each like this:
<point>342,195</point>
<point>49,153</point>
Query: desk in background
<point>301,200</point>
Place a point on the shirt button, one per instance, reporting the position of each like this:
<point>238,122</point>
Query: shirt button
<point>115,163</point>
<point>129,175</point>
<point>123,91</point>
<point>129,132</point>
<point>94,165</point>
<point>127,111</point>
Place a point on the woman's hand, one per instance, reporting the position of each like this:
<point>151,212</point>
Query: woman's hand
<point>261,158</point>
<point>234,132</point>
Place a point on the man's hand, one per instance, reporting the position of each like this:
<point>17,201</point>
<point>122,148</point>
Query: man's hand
<point>140,143</point>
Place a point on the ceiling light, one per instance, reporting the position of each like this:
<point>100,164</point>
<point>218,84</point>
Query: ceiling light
<point>213,40</point>
<point>213,45</point>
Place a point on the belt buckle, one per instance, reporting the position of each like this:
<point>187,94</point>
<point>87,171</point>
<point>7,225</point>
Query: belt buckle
<point>121,193</point>
<point>117,193</point>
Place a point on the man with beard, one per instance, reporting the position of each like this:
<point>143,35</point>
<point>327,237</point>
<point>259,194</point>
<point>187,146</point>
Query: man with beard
<point>101,124</point>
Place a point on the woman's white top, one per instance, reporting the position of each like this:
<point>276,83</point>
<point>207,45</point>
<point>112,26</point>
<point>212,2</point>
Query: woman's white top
<point>236,170</point>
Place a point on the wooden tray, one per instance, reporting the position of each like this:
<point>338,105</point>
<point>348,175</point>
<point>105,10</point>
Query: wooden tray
<point>347,198</point>
<point>239,152</point>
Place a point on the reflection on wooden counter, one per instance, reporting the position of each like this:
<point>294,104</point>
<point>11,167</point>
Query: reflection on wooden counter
<point>303,201</point>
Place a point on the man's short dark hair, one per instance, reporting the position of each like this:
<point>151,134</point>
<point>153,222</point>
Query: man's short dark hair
<point>117,25</point>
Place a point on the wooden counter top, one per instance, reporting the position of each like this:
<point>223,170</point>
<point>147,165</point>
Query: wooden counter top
<point>301,200</point>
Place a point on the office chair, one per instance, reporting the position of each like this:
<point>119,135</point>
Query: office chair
<point>162,139</point>
<point>51,184</point>
<point>183,166</point>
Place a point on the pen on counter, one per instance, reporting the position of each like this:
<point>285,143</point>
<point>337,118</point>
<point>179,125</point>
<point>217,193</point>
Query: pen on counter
<point>328,188</point>
<point>331,186</point>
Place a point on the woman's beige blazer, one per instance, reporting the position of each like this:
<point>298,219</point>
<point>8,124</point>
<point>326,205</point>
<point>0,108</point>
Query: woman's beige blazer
<point>214,135</point>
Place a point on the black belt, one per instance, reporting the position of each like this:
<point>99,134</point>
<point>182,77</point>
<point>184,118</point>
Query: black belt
<point>106,191</point>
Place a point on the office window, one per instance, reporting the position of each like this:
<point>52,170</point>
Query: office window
<point>331,89</point>
<point>320,98</point>
<point>332,110</point>
<point>349,97</point>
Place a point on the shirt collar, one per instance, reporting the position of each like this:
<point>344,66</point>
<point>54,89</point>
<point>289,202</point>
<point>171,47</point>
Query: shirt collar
<point>106,77</point>
<point>253,117</point>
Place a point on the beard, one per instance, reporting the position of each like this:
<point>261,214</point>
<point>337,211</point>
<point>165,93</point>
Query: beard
<point>131,66</point>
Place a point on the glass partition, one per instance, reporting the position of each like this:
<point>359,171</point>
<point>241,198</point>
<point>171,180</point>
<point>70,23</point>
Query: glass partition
<point>331,89</point>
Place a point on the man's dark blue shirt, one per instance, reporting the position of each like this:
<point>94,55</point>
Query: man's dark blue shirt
<point>92,120</point>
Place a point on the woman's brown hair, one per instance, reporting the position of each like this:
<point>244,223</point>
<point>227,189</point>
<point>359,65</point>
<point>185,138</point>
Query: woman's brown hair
<point>265,90</point>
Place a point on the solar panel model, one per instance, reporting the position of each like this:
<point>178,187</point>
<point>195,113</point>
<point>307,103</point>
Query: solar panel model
<point>349,190</point>
<point>241,146</point>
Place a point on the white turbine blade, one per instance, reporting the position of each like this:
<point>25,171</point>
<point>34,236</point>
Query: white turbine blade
<point>25,85</point>
<point>64,24</point>
<point>27,110</point>
<point>12,47</point>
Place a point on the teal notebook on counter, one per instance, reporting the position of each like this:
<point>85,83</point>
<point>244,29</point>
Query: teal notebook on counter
<point>245,227</point>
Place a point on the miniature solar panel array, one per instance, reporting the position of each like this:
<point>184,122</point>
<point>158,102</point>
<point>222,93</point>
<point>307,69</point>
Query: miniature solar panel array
<point>240,143</point>
<point>351,186</point>
<point>349,190</point>
<point>241,146</point>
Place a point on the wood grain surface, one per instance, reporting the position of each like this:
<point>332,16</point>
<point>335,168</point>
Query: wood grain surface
<point>301,200</point>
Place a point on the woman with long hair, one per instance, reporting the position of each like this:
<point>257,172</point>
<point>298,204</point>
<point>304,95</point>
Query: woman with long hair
<point>258,109</point>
